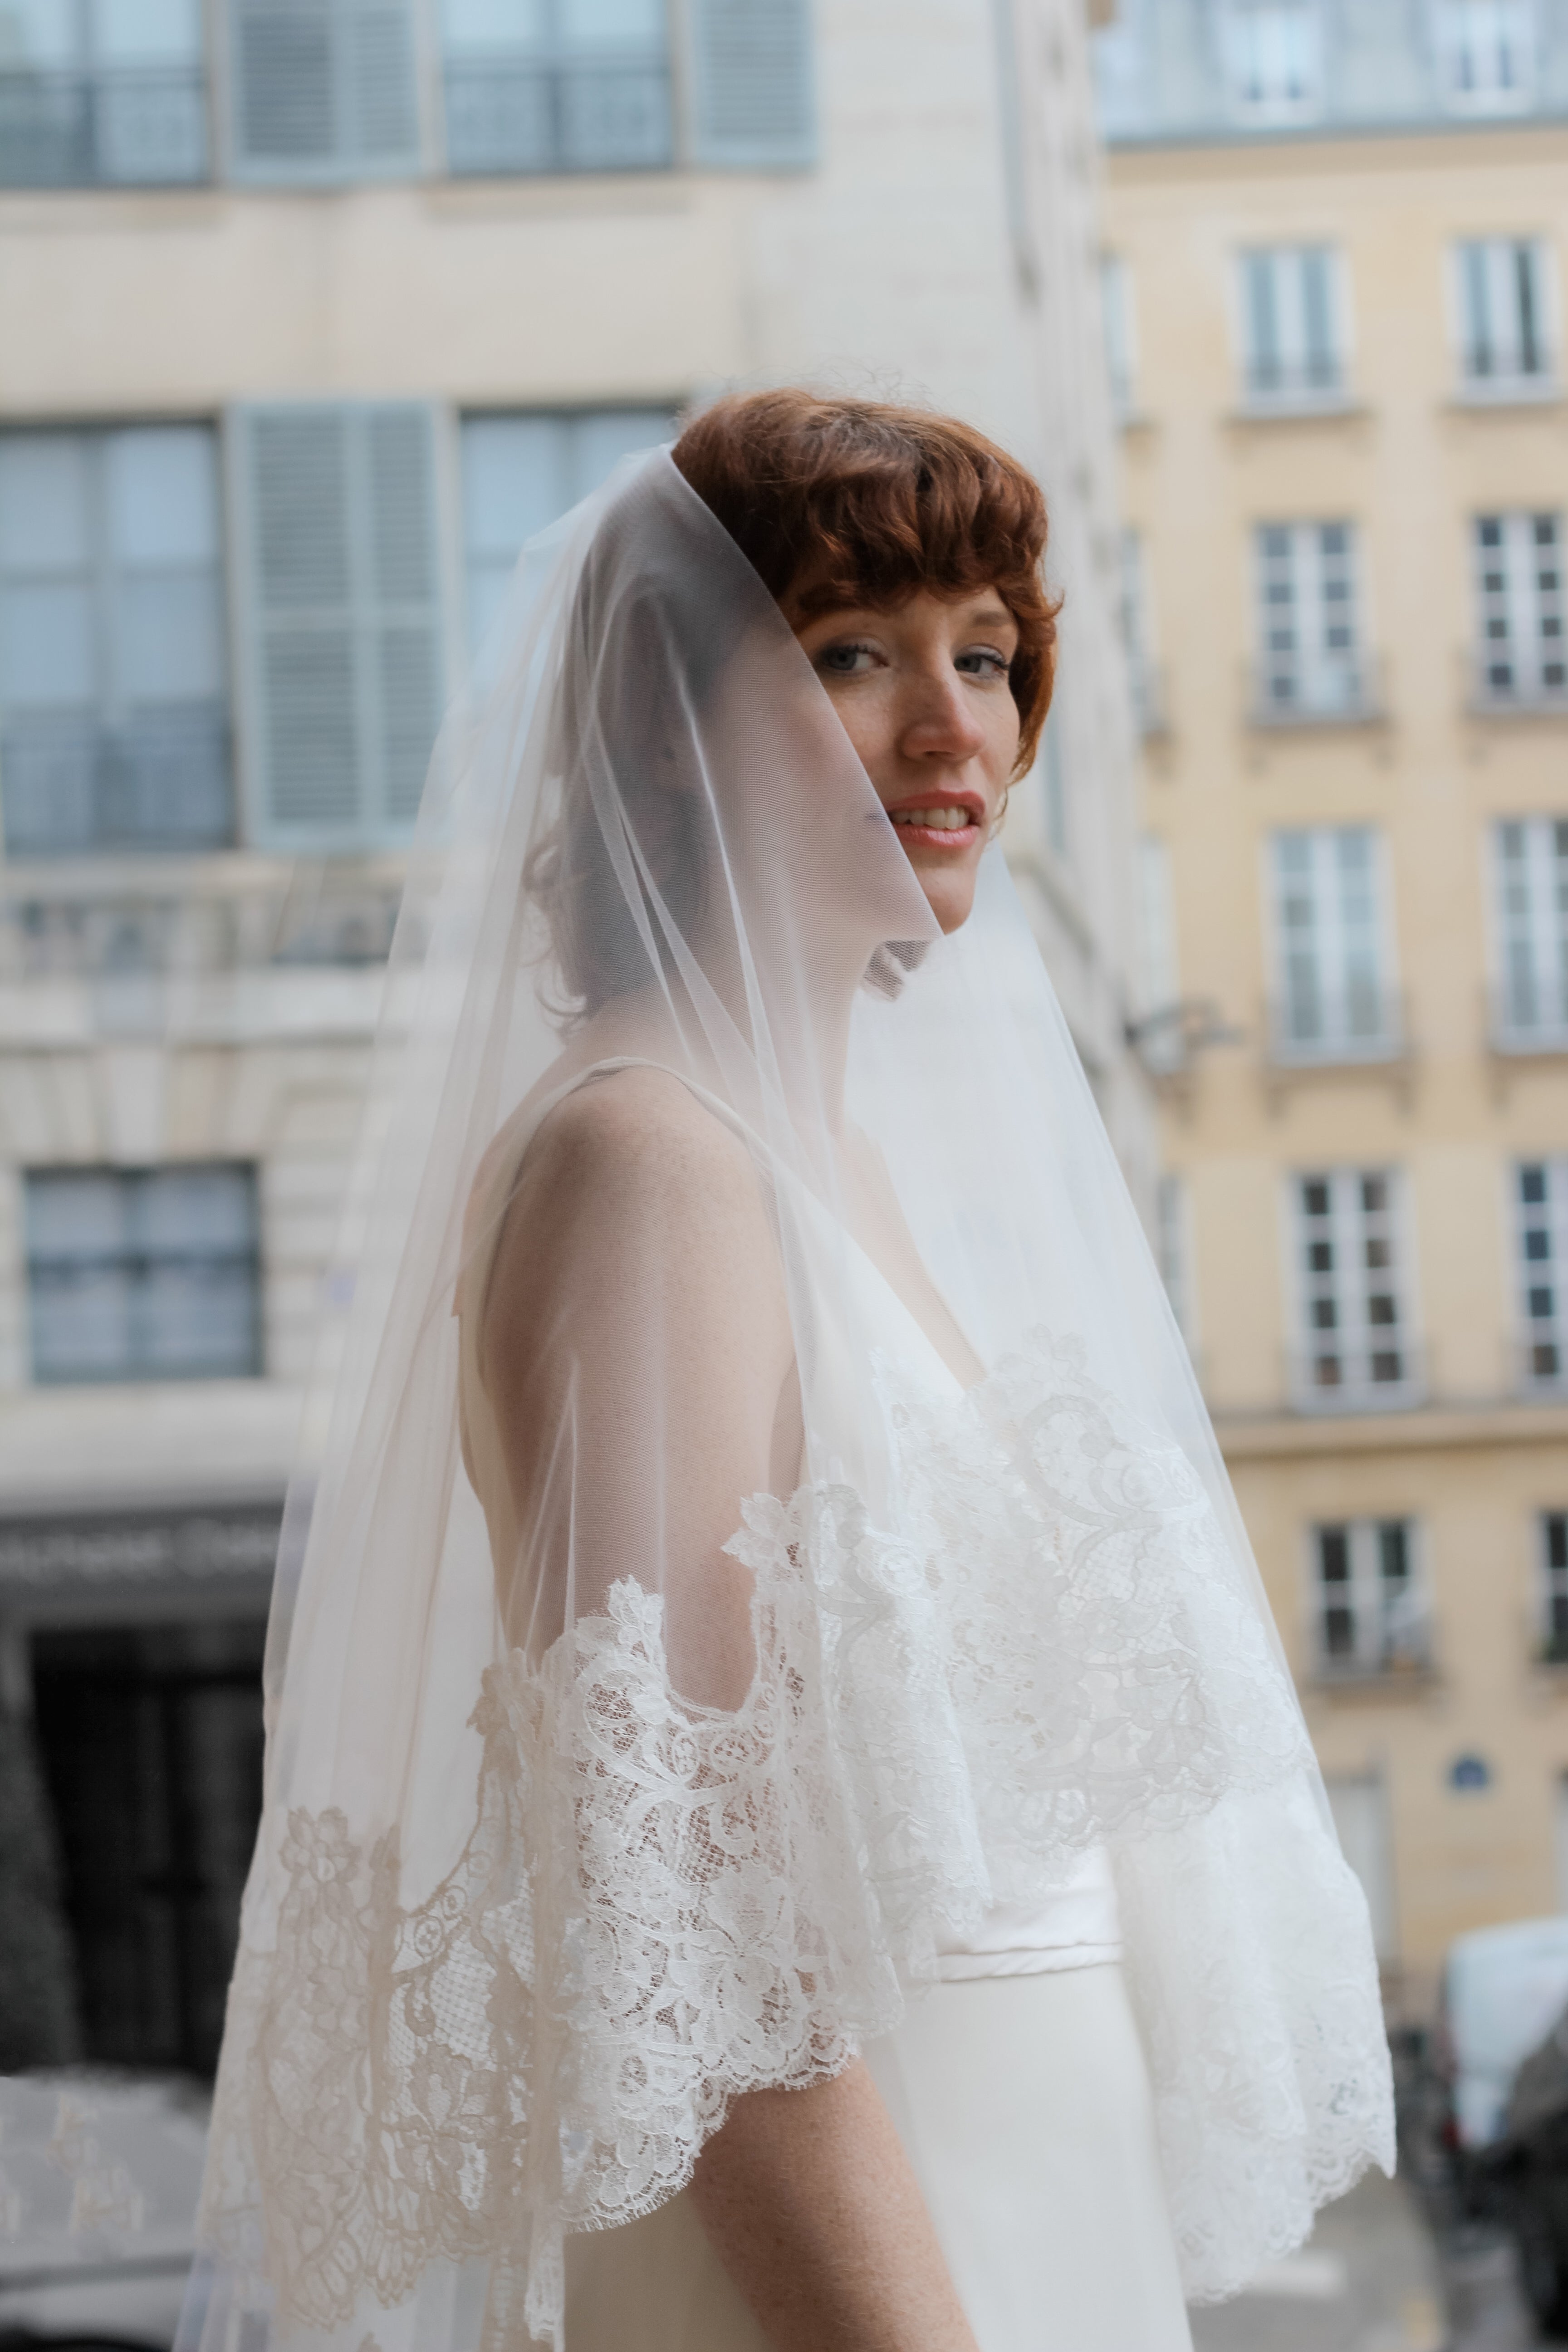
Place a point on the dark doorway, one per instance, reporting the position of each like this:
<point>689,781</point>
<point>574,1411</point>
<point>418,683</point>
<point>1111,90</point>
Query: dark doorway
<point>151,1741</point>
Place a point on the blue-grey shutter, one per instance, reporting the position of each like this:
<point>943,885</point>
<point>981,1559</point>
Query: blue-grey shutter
<point>338,600</point>
<point>322,89</point>
<point>752,96</point>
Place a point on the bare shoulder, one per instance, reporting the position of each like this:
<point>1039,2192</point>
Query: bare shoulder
<point>638,1141</point>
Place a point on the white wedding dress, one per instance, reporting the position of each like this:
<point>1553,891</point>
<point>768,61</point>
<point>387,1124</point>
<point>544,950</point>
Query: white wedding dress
<point>1017,2082</point>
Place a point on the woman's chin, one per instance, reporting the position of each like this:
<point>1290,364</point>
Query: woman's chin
<point>949,891</point>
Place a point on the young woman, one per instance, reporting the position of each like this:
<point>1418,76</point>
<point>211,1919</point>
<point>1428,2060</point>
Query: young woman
<point>786,1825</point>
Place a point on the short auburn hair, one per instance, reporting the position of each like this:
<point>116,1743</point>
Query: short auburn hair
<point>866,503</point>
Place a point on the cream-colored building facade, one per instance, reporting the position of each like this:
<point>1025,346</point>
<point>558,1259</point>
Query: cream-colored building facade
<point>309,310</point>
<point>1335,294</point>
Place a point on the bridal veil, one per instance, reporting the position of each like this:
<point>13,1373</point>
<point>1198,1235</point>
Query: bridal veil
<point>659,1785</point>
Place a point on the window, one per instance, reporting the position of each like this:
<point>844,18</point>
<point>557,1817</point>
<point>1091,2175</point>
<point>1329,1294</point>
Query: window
<point>521,473</point>
<point>1369,1612</point>
<point>1334,1001</point>
<point>1288,325</point>
<point>330,89</point>
<point>113,704</point>
<point>150,1275</point>
<point>101,91</point>
<point>1355,1348</point>
<point>1138,636</point>
<point>1117,322</point>
<point>562,85</point>
<point>322,89</point>
<point>1553,1540</point>
<point>1531,869</point>
<point>1501,302</point>
<point>1050,766</point>
<point>1520,608</point>
<point>342,638</point>
<point>1310,663</point>
<point>1275,60</point>
<point>1541,1202</point>
<point>1486,55</point>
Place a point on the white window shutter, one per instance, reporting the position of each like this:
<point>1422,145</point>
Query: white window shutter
<point>337,600</point>
<point>322,89</point>
<point>751,84</point>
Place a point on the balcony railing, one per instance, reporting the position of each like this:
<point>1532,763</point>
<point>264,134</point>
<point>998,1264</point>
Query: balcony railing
<point>1381,1373</point>
<point>302,918</point>
<point>134,127</point>
<point>1502,686</point>
<point>1529,1017</point>
<point>1288,692</point>
<point>160,780</point>
<point>507,116</point>
<point>1316,387</point>
<point>1332,1027</point>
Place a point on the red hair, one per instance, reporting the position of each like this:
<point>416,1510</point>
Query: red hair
<point>858,502</point>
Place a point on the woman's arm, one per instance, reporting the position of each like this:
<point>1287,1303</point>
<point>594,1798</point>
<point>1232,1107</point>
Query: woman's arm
<point>637,1339</point>
<point>813,2211</point>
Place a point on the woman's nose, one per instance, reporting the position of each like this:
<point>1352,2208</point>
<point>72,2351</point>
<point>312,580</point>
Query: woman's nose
<point>942,724</point>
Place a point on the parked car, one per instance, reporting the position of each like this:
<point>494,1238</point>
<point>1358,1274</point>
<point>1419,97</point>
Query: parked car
<point>1504,2032</point>
<point>99,2178</point>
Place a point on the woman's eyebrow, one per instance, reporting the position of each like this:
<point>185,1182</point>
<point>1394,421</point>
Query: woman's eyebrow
<point>992,617</point>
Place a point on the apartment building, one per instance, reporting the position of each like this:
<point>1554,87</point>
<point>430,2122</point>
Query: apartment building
<point>311,311</point>
<point>1336,239</point>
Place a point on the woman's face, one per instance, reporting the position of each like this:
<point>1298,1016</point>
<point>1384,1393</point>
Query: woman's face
<point>923,695</point>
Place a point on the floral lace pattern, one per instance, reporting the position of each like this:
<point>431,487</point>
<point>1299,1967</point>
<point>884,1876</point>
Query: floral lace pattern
<point>662,1907</point>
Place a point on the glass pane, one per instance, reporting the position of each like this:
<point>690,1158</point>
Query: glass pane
<point>81,1322</point>
<point>611,23</point>
<point>515,480</point>
<point>146,32</point>
<point>45,506</point>
<point>162,494</point>
<point>74,1216</point>
<point>488,583</point>
<point>47,647</point>
<point>198,1319</point>
<point>489,28</point>
<point>602,440</point>
<point>187,1209</point>
<point>38,33</point>
<point>168,638</point>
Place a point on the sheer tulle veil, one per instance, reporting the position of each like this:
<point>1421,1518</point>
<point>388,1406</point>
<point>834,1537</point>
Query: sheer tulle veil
<point>601,1789</point>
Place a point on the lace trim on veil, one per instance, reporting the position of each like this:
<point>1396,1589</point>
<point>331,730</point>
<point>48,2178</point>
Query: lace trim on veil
<point>661,1907</point>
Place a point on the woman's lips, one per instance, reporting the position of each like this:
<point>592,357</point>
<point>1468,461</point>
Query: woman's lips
<point>950,826</point>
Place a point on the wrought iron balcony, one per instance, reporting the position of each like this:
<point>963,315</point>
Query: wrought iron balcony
<point>1334,1027</point>
<point>507,116</point>
<point>1385,1372</point>
<point>160,781</point>
<point>1287,692</point>
<point>142,127</point>
<point>1504,687</point>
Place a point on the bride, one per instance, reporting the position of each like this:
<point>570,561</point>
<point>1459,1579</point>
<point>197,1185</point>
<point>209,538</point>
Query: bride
<point>785,1821</point>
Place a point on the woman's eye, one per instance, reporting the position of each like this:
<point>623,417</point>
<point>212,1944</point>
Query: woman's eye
<point>845,660</point>
<point>983,661</point>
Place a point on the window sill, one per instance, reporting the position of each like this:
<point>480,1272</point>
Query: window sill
<point>1300,408</point>
<point>1380,1054</point>
<point>1400,1682</point>
<point>1473,400</point>
<point>1512,708</point>
<point>1527,1045</point>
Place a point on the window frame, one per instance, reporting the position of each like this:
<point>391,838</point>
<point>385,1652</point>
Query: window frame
<point>133,1373</point>
<point>1542,938</point>
<point>1273,112</point>
<point>1379,1652</point>
<point>1551,1586</point>
<point>1487,101</point>
<point>1474,267</point>
<point>1337,1041</point>
<point>1538,1335</point>
<point>1529,690</point>
<point>1354,1334</point>
<point>1326,690</point>
<point>88,77</point>
<point>1295,394</point>
<point>113,719</point>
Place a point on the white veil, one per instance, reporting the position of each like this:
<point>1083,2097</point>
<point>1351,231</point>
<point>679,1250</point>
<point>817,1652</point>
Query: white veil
<point>673,1630</point>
